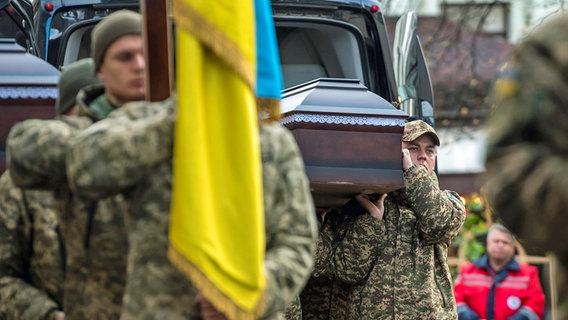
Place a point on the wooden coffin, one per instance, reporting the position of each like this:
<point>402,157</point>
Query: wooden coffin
<point>28,89</point>
<point>349,137</point>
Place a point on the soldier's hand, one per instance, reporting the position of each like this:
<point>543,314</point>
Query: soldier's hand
<point>375,208</point>
<point>322,212</point>
<point>59,315</point>
<point>406,160</point>
<point>208,311</point>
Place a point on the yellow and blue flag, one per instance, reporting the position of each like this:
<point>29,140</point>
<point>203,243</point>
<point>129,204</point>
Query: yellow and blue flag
<point>217,218</point>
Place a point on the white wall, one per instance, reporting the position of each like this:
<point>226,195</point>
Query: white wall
<point>462,150</point>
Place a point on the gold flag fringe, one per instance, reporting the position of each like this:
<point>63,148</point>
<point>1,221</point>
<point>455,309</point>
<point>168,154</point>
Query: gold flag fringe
<point>268,109</point>
<point>210,291</point>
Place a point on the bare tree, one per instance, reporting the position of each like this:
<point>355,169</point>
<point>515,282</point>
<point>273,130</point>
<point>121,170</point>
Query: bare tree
<point>464,57</point>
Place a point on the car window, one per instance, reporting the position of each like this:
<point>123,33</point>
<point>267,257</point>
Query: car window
<point>315,50</point>
<point>12,25</point>
<point>65,31</point>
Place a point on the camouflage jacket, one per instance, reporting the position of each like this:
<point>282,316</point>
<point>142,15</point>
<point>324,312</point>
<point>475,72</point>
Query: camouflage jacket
<point>31,253</point>
<point>93,232</point>
<point>136,142</point>
<point>324,297</point>
<point>396,266</point>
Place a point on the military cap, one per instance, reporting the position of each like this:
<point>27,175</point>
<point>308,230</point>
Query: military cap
<point>416,128</point>
<point>73,78</point>
<point>110,29</point>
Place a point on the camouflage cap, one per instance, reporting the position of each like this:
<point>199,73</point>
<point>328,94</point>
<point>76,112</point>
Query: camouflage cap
<point>73,78</point>
<point>416,128</point>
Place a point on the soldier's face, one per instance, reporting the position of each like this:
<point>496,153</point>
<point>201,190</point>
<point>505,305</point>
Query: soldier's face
<point>123,69</point>
<point>422,151</point>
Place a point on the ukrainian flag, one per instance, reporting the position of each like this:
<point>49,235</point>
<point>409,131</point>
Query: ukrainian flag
<point>217,217</point>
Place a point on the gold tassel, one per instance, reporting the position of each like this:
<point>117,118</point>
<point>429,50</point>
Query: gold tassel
<point>268,109</point>
<point>217,298</point>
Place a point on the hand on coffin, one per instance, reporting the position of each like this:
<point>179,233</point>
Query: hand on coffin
<point>406,160</point>
<point>374,206</point>
<point>321,213</point>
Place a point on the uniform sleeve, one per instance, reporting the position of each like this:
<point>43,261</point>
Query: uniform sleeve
<point>117,152</point>
<point>440,213</point>
<point>322,255</point>
<point>36,150</point>
<point>290,219</point>
<point>19,299</point>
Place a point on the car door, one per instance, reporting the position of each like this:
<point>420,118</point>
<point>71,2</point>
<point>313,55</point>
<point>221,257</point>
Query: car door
<point>411,71</point>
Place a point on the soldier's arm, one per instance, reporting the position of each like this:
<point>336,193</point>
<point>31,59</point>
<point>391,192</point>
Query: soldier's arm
<point>36,150</point>
<point>440,213</point>
<point>290,219</point>
<point>324,250</point>
<point>115,153</point>
<point>19,298</point>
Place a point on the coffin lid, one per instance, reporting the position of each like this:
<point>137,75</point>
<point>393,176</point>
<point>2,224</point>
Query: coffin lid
<point>19,68</point>
<point>336,95</point>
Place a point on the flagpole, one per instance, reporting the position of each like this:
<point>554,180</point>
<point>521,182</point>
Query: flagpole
<point>157,48</point>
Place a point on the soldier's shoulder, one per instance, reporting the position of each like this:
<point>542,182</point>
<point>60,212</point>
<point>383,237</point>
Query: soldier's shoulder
<point>142,109</point>
<point>276,137</point>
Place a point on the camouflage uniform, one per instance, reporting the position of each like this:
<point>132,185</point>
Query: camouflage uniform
<point>396,266</point>
<point>136,143</point>
<point>324,297</point>
<point>93,231</point>
<point>31,253</point>
<point>526,159</point>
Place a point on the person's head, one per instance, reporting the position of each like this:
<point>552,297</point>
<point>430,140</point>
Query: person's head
<point>501,244</point>
<point>74,77</point>
<point>117,51</point>
<point>422,141</point>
